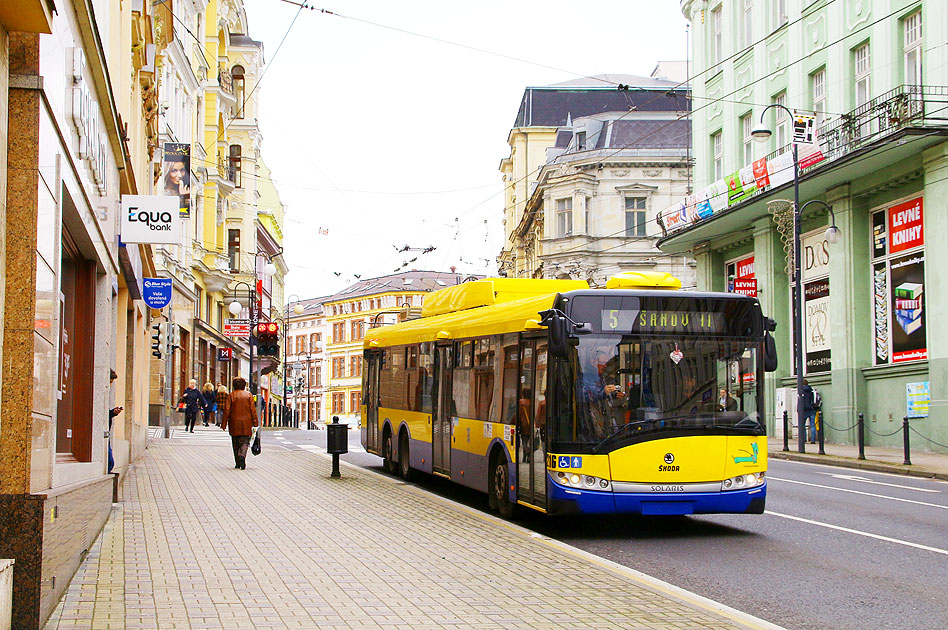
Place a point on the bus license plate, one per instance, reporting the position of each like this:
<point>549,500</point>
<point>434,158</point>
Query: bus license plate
<point>667,488</point>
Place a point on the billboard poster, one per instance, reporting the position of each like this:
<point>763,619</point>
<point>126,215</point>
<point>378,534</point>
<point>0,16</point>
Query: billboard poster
<point>907,307</point>
<point>816,338</point>
<point>918,397</point>
<point>905,226</point>
<point>176,175</point>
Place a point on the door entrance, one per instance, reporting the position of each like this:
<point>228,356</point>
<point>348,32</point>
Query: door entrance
<point>370,427</point>
<point>531,423</point>
<point>442,416</point>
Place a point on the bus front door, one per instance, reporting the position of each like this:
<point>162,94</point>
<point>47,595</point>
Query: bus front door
<point>531,423</point>
<point>441,418</point>
<point>370,427</point>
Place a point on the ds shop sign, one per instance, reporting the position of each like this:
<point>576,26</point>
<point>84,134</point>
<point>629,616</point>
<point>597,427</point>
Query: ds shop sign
<point>152,219</point>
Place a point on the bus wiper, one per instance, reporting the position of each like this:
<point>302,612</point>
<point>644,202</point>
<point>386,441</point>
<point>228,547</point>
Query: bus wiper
<point>617,433</point>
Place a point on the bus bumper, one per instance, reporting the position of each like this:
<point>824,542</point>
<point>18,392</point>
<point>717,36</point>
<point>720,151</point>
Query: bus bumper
<point>575,501</point>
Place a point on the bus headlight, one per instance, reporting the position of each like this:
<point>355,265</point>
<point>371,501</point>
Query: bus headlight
<point>741,482</point>
<point>575,480</point>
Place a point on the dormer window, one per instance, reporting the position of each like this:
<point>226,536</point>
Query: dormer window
<point>580,140</point>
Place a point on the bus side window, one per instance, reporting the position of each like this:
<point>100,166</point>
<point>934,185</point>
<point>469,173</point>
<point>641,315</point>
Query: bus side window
<point>483,378</point>
<point>511,365</point>
<point>426,377</point>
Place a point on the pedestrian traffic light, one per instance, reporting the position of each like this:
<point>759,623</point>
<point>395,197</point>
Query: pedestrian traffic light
<point>299,383</point>
<point>268,339</point>
<point>156,340</point>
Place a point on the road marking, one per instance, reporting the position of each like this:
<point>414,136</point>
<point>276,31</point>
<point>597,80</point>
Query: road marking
<point>868,494</point>
<point>855,469</point>
<point>878,483</point>
<point>860,533</point>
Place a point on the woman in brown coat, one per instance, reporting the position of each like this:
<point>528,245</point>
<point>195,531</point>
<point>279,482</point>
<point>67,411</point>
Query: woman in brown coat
<point>240,415</point>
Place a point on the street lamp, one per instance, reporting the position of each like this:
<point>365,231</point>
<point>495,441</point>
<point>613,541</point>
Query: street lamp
<point>762,133</point>
<point>297,310</point>
<point>235,308</point>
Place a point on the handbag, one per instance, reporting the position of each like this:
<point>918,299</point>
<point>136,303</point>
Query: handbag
<point>255,445</point>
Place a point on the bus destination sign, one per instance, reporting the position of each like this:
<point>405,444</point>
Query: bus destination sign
<point>663,322</point>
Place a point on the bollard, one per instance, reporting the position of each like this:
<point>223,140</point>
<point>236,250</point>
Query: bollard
<point>819,430</point>
<point>786,433</point>
<point>905,441</point>
<point>337,442</point>
<point>861,436</point>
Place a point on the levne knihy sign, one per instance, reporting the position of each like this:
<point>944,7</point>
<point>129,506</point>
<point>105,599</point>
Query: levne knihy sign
<point>152,219</point>
<point>156,292</point>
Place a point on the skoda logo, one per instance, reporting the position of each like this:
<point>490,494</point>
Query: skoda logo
<point>669,458</point>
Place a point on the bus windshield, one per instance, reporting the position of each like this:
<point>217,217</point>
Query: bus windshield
<point>615,390</point>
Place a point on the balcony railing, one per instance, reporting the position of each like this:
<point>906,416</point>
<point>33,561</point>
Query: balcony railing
<point>225,169</point>
<point>225,79</point>
<point>904,106</point>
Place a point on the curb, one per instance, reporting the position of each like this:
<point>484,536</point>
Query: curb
<point>862,464</point>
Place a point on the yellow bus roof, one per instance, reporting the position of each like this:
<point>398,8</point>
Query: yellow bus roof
<point>473,322</point>
<point>491,291</point>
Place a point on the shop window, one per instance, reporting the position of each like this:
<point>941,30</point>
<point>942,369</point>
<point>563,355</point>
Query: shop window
<point>898,283</point>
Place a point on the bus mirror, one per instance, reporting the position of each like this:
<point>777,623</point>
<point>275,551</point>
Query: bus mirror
<point>559,333</point>
<point>582,328</point>
<point>532,324</point>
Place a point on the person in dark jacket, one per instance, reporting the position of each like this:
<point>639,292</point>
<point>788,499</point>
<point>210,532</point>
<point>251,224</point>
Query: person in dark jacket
<point>193,403</point>
<point>114,411</point>
<point>240,416</point>
<point>809,412</point>
<point>210,399</point>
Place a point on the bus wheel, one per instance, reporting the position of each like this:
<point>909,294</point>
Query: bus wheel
<point>501,489</point>
<point>404,461</point>
<point>387,461</point>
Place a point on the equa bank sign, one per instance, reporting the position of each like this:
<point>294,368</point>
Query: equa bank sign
<point>152,219</point>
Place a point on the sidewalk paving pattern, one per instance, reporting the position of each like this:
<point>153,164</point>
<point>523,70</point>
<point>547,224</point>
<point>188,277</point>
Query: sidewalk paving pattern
<point>195,543</point>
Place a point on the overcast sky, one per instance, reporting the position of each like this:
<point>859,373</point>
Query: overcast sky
<point>386,138</point>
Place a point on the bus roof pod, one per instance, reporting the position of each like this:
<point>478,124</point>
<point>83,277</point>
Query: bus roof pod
<point>492,291</point>
<point>644,280</point>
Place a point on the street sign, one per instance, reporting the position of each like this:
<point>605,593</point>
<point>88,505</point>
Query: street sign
<point>803,128</point>
<point>156,292</point>
<point>237,327</point>
<point>746,286</point>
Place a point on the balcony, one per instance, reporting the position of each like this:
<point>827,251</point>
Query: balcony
<point>225,80</point>
<point>226,170</point>
<point>889,128</point>
<point>905,106</point>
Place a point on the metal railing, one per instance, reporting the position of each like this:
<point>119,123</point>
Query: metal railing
<point>904,106</point>
<point>225,79</point>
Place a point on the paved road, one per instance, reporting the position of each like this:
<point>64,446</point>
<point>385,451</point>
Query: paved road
<point>837,548</point>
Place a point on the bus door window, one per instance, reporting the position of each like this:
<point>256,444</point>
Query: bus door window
<point>525,403</point>
<point>511,377</point>
<point>539,400</point>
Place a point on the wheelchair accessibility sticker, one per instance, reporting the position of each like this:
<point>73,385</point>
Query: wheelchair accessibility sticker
<point>565,461</point>
<point>748,459</point>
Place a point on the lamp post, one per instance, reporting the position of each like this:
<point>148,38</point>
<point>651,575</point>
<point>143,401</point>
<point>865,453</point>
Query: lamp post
<point>235,308</point>
<point>297,310</point>
<point>762,133</point>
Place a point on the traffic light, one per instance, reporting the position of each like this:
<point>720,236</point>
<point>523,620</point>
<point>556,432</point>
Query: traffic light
<point>268,339</point>
<point>299,383</point>
<point>156,340</point>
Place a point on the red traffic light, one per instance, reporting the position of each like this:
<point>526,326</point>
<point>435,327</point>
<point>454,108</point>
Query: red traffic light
<point>273,327</point>
<point>261,328</point>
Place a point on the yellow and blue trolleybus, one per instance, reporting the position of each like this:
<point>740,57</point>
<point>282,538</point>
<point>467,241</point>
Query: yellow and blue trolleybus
<point>637,398</point>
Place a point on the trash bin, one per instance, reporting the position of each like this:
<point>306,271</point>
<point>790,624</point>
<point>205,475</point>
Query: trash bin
<point>337,442</point>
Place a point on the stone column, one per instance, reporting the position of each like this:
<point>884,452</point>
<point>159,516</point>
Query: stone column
<point>935,160</point>
<point>851,331</point>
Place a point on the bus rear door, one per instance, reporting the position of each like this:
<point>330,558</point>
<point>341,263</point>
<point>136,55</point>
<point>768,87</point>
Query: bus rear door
<point>441,417</point>
<point>531,423</point>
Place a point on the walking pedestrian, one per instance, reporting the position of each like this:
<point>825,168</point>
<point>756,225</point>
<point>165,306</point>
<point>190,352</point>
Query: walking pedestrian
<point>210,400</point>
<point>239,417</point>
<point>114,411</point>
<point>810,407</point>
<point>220,400</point>
<point>193,403</point>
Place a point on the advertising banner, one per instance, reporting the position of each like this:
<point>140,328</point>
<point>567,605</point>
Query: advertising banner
<point>760,173</point>
<point>907,281</point>
<point>918,397</point>
<point>816,255</point>
<point>176,175</point>
<point>880,304</point>
<point>905,226</point>
<point>156,292</point>
<point>149,219</point>
<point>816,338</point>
<point>746,286</point>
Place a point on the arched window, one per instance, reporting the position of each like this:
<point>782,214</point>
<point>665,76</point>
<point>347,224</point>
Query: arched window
<point>234,170</point>
<point>238,74</point>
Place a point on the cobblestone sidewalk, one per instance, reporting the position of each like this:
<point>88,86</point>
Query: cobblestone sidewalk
<point>197,544</point>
